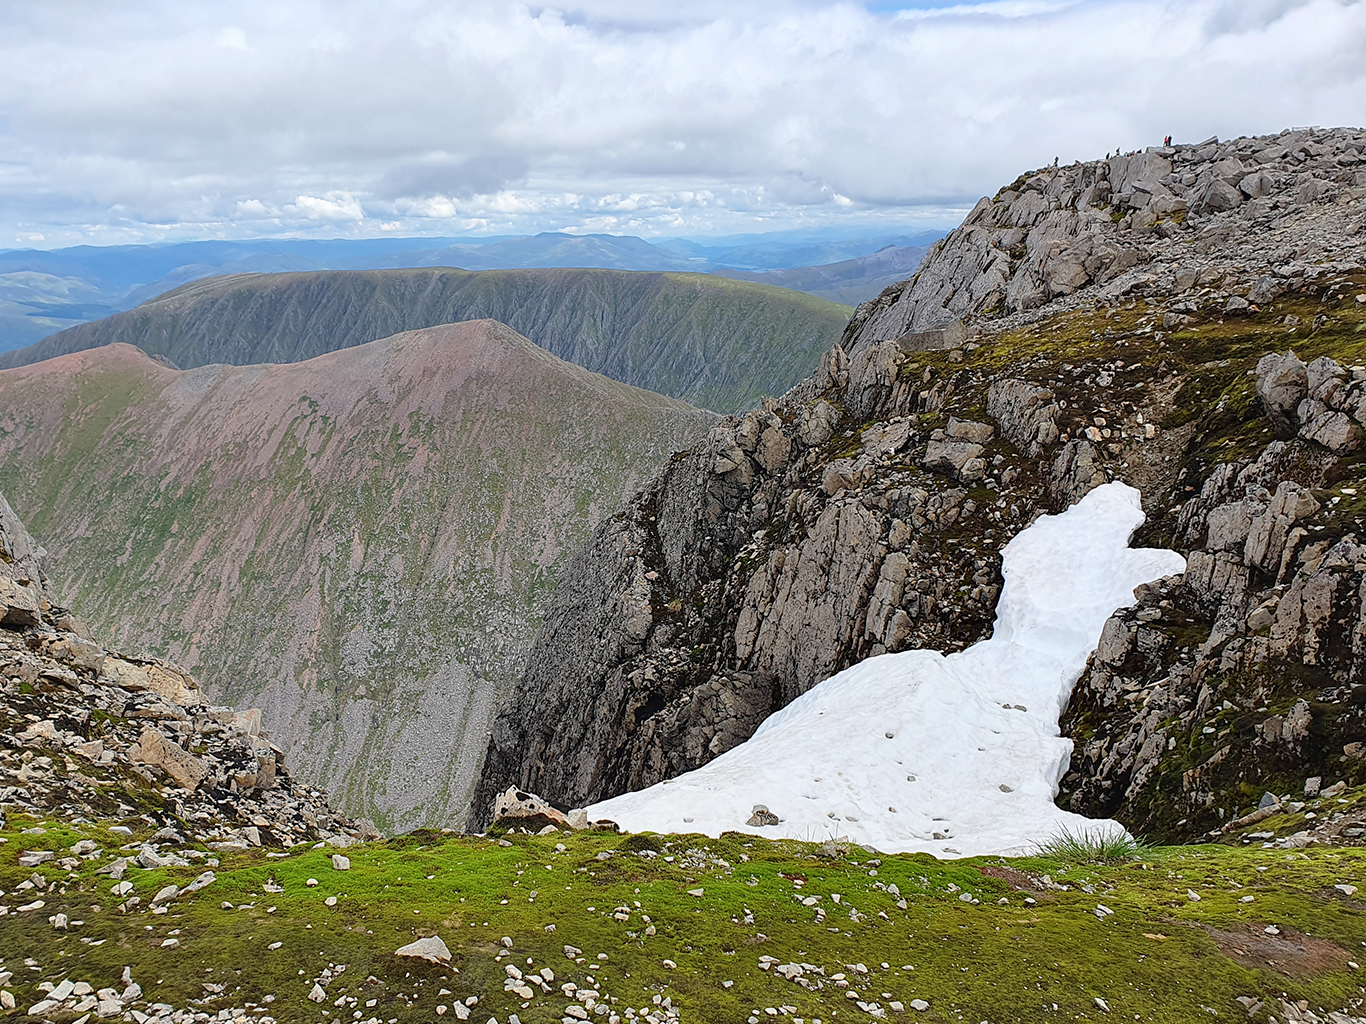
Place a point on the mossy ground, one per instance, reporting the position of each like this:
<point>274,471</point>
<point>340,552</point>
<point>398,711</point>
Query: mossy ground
<point>1161,955</point>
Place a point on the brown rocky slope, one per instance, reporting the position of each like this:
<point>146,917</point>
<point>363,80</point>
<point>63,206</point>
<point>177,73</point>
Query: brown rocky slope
<point>1116,316</point>
<point>358,544</point>
<point>89,734</point>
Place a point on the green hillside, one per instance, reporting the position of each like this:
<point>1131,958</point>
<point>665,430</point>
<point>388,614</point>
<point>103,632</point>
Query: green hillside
<point>714,342</point>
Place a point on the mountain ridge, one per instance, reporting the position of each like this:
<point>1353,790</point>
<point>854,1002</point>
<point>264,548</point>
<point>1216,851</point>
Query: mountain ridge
<point>852,280</point>
<point>45,291</point>
<point>697,337</point>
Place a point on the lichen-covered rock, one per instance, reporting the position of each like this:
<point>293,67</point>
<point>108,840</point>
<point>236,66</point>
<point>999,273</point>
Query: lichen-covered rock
<point>515,809</point>
<point>20,604</point>
<point>156,751</point>
<point>1026,413</point>
<point>1282,384</point>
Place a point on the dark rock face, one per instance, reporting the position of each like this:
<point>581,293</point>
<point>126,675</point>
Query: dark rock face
<point>1114,316</point>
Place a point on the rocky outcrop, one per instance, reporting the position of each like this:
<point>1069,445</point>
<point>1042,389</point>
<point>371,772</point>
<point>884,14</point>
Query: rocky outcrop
<point>1243,675</point>
<point>23,560</point>
<point>86,731</point>
<point>1089,323</point>
<point>360,544</point>
<point>859,514</point>
<point>1157,222</point>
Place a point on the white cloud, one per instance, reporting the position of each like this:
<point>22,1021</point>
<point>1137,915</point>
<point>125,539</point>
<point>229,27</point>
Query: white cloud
<point>335,206</point>
<point>231,38</point>
<point>701,116</point>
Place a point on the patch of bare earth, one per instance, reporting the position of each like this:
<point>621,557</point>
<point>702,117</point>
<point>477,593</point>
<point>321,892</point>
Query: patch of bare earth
<point>1291,953</point>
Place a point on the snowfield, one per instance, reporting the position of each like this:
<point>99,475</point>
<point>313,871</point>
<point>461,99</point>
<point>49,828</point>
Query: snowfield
<point>954,755</point>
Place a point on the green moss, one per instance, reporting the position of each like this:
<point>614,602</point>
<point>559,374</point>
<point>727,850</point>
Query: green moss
<point>999,958</point>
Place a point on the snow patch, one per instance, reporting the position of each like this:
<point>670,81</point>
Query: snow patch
<point>956,755</point>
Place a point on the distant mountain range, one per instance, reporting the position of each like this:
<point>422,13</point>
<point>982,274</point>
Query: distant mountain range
<point>849,281</point>
<point>44,291</point>
<point>359,544</point>
<point>717,343</point>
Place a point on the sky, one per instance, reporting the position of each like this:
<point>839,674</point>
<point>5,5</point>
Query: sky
<point>178,119</point>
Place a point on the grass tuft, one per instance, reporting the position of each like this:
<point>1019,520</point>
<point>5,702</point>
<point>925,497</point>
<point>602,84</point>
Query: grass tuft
<point>1094,846</point>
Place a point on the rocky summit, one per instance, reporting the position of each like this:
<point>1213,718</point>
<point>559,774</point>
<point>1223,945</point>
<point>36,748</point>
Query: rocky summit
<point>358,544</point>
<point>1239,219</point>
<point>1206,346</point>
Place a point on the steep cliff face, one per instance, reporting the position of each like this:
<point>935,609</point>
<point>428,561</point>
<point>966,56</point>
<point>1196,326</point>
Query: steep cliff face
<point>359,544</point>
<point>714,342</point>
<point>864,511</point>
<point>22,559</point>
